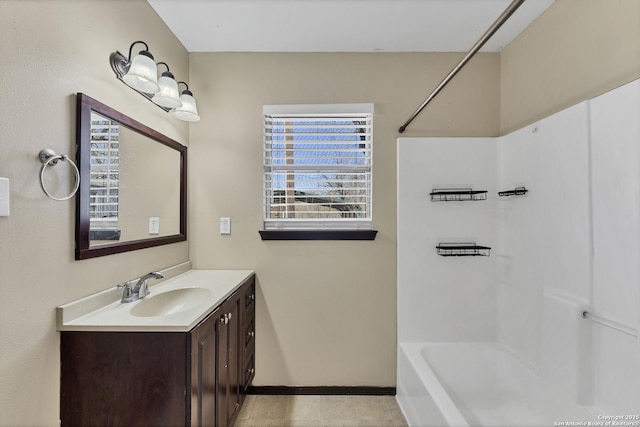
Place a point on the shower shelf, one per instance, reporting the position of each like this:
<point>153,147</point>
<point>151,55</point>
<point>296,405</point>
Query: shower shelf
<point>462,249</point>
<point>457,194</point>
<point>518,191</point>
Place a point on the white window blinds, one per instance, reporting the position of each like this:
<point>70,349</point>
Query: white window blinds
<point>317,166</point>
<point>105,172</point>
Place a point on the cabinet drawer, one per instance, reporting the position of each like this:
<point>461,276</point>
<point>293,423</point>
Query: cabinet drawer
<point>250,297</point>
<point>249,334</point>
<point>249,372</point>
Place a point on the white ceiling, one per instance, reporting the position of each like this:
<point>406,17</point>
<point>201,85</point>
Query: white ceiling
<point>342,25</point>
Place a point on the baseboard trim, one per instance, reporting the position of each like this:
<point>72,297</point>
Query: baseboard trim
<point>323,390</point>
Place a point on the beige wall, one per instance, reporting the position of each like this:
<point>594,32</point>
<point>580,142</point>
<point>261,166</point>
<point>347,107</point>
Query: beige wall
<point>326,312</point>
<point>576,50</point>
<point>50,51</point>
<point>143,194</point>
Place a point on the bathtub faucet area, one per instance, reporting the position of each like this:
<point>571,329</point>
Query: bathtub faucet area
<point>131,292</point>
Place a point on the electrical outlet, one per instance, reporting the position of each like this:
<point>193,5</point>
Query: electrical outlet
<point>225,225</point>
<point>154,225</point>
<point>4,196</point>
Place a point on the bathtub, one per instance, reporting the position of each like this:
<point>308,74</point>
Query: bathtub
<point>478,384</point>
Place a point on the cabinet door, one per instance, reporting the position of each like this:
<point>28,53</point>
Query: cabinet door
<point>234,351</point>
<point>203,371</point>
<point>248,335</point>
<point>228,381</point>
<point>222,363</point>
<point>122,379</point>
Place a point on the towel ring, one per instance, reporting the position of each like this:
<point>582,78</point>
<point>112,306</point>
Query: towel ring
<point>48,157</point>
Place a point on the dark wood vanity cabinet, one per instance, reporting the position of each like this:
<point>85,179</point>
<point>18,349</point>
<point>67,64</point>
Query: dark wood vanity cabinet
<point>195,378</point>
<point>248,336</point>
<point>228,362</point>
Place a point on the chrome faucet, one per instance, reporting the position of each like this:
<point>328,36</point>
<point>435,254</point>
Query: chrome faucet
<point>140,290</point>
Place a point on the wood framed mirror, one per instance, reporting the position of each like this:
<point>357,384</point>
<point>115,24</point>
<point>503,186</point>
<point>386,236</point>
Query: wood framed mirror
<point>133,183</point>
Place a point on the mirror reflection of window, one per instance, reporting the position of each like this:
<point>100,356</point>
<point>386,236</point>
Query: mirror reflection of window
<point>105,177</point>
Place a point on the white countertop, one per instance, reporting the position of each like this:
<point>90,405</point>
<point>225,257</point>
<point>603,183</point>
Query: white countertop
<point>117,316</point>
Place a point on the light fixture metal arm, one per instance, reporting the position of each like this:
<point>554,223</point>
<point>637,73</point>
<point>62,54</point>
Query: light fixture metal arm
<point>165,64</point>
<point>146,47</point>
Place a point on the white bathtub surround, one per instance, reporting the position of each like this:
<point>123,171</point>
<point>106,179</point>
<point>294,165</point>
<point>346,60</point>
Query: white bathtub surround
<point>519,352</point>
<point>615,137</point>
<point>465,307</point>
<point>546,236</point>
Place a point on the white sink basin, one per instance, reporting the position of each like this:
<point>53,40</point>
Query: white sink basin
<point>174,305</point>
<point>170,302</point>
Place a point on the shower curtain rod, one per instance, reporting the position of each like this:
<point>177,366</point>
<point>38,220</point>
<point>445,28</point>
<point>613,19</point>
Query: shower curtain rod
<point>610,323</point>
<point>486,36</point>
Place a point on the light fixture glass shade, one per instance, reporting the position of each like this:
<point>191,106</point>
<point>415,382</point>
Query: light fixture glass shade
<point>143,73</point>
<point>169,95</point>
<point>188,111</point>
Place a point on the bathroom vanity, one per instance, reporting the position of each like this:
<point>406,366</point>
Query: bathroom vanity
<point>185,359</point>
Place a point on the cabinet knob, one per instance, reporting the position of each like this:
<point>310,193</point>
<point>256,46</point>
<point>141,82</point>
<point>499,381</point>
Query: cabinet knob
<point>251,297</point>
<point>224,319</point>
<point>251,334</point>
<point>250,371</point>
<point>230,315</point>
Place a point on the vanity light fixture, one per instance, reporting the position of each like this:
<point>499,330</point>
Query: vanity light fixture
<point>141,74</point>
<point>168,96</point>
<point>188,111</point>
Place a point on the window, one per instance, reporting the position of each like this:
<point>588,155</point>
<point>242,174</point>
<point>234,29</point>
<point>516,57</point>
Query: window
<point>105,176</point>
<point>317,167</point>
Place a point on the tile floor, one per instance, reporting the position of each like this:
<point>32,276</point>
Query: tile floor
<point>320,411</point>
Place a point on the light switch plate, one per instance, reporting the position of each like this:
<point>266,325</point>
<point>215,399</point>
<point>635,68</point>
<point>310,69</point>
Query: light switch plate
<point>225,225</point>
<point>4,196</point>
<point>154,225</point>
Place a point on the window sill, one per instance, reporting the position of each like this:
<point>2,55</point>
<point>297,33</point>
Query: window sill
<point>105,234</point>
<point>318,234</point>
